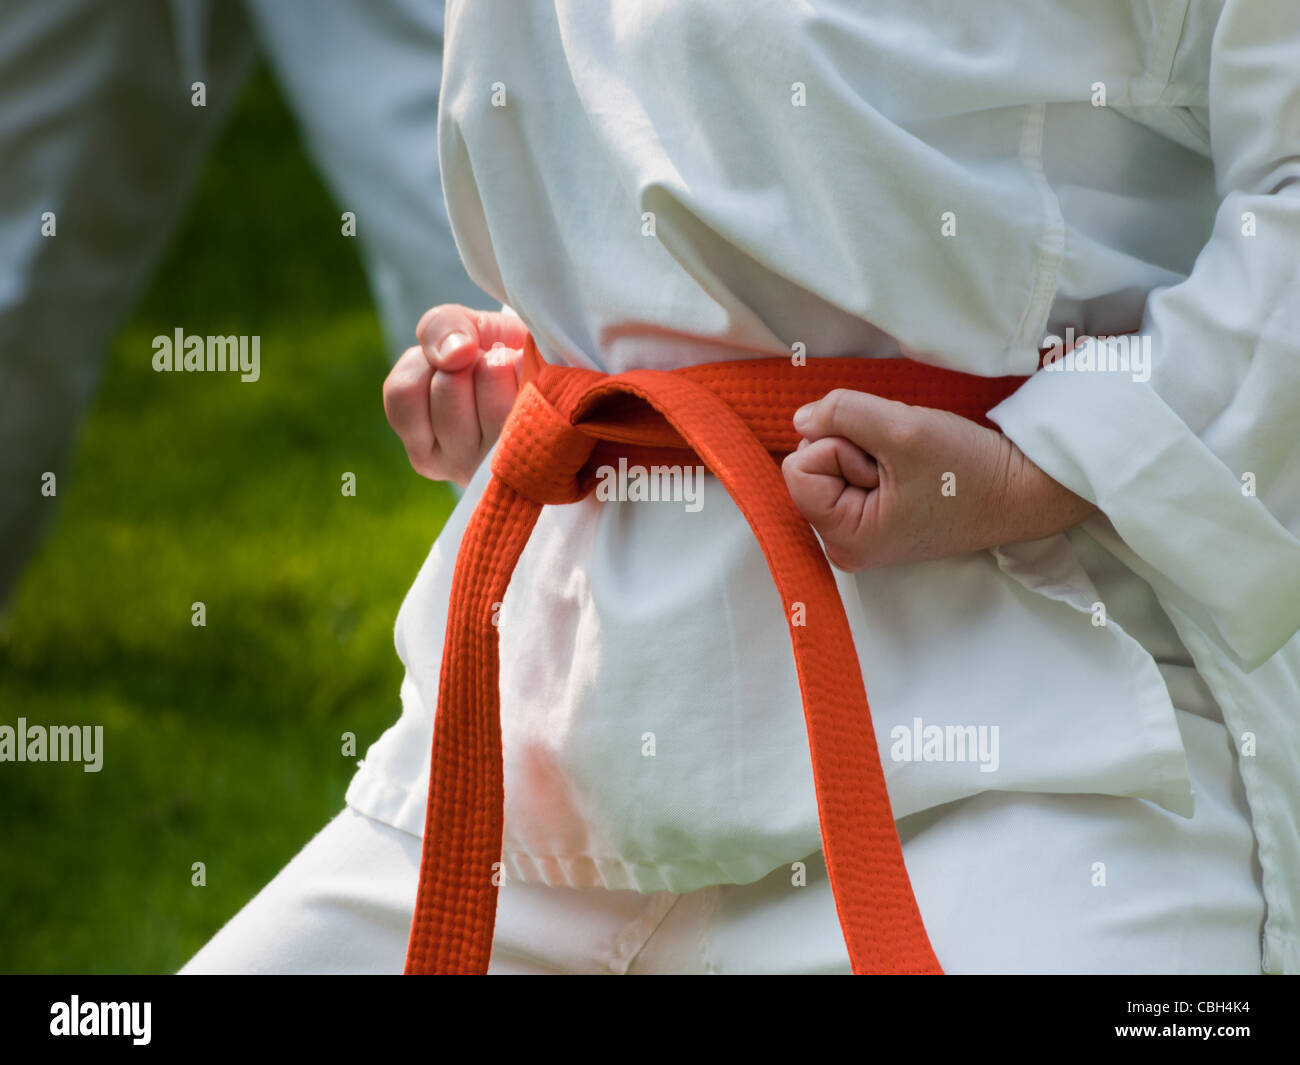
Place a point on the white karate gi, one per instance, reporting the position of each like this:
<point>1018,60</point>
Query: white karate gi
<point>944,181</point>
<point>97,126</point>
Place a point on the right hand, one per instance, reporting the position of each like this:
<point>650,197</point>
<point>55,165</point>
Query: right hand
<point>448,398</point>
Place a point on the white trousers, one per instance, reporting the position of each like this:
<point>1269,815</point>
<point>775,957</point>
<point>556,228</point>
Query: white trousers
<point>1006,883</point>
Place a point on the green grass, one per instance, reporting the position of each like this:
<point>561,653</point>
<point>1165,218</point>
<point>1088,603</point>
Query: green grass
<point>222,744</point>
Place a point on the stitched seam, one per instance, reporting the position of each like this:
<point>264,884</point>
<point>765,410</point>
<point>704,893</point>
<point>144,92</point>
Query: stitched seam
<point>643,929</point>
<point>1157,73</point>
<point>1170,37</point>
<point>1049,264</point>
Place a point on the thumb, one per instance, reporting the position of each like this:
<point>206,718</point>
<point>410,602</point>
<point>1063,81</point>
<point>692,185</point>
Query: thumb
<point>452,336</point>
<point>448,335</point>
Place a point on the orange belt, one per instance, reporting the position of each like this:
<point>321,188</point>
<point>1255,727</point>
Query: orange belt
<point>735,419</point>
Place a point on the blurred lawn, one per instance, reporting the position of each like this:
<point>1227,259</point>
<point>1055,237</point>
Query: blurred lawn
<point>221,744</point>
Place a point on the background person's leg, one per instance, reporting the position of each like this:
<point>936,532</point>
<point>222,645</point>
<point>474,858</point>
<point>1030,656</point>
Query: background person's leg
<point>96,127</point>
<point>363,77</point>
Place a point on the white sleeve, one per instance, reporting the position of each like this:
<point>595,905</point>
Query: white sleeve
<point>1198,469</point>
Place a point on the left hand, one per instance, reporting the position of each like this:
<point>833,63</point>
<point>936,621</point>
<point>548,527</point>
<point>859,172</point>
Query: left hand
<point>885,483</point>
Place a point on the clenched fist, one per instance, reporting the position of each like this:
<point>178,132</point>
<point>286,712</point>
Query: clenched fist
<point>884,483</point>
<point>448,398</point>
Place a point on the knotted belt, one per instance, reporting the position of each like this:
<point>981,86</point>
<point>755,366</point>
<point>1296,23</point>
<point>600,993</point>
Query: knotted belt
<point>735,419</point>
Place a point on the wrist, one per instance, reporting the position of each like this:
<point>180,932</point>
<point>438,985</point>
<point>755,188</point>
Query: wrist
<point>1035,505</point>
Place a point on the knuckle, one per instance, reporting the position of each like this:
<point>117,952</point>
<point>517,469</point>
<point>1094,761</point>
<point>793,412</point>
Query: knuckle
<point>424,328</point>
<point>400,393</point>
<point>406,370</point>
<point>904,432</point>
<point>392,396</point>
<point>833,407</point>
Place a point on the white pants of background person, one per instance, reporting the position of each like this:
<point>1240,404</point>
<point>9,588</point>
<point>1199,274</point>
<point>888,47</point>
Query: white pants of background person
<point>97,126</point>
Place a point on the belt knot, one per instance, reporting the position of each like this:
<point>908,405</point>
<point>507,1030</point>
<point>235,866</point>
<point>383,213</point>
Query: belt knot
<point>542,454</point>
